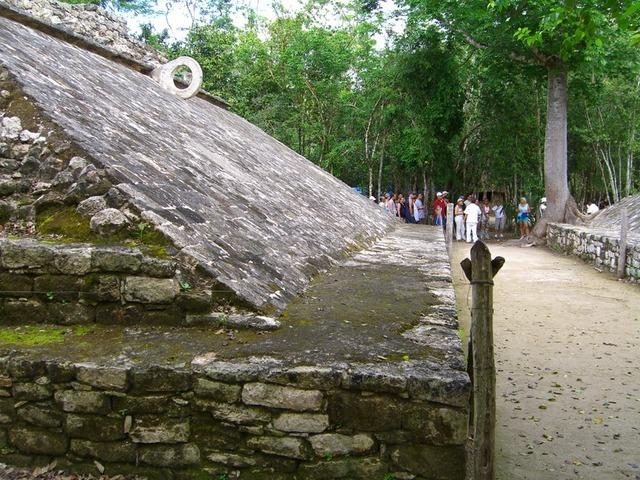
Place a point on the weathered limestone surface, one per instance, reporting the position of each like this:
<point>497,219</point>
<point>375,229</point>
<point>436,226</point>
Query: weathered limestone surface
<point>93,23</point>
<point>218,187</point>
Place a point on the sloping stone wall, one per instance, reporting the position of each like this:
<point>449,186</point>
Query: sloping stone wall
<point>245,209</point>
<point>257,419</point>
<point>610,217</point>
<point>91,22</point>
<point>596,246</point>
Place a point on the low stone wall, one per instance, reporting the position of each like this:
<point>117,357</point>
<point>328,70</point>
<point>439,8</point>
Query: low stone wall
<point>596,246</point>
<point>256,419</point>
<point>79,284</point>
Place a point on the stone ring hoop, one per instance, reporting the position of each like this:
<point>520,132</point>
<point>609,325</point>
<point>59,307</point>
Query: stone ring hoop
<point>164,75</point>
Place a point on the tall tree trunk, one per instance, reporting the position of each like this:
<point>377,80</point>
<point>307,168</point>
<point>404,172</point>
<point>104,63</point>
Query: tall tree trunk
<point>560,205</point>
<point>370,180</point>
<point>425,189</point>
<point>380,166</point>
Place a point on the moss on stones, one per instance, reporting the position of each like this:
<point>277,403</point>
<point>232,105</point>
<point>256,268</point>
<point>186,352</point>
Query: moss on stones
<point>30,336</point>
<point>68,226</point>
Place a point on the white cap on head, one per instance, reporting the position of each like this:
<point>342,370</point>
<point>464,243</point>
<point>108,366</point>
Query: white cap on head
<point>439,194</point>
<point>543,200</point>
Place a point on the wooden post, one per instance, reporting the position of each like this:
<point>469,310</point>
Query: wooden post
<point>480,270</point>
<point>622,254</point>
<point>450,223</point>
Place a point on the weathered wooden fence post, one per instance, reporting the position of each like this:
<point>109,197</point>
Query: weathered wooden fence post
<point>480,271</point>
<point>450,223</point>
<point>622,254</point>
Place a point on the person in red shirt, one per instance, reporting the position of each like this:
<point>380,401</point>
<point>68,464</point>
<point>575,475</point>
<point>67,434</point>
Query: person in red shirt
<point>439,204</point>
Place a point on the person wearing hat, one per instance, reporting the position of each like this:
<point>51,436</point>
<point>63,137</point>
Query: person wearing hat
<point>439,208</point>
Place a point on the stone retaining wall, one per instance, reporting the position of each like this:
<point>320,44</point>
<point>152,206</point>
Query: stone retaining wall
<point>79,284</point>
<point>596,246</point>
<point>255,420</point>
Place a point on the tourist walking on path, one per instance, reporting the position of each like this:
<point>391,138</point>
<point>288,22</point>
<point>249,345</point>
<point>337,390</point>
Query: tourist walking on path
<point>485,210</point>
<point>458,213</point>
<point>498,211</point>
<point>523,217</point>
<point>472,215</point>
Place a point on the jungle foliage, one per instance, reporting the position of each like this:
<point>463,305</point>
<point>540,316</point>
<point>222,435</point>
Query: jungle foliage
<point>455,100</point>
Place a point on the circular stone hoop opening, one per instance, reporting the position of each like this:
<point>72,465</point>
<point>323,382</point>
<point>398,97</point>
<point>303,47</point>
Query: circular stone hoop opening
<point>164,75</point>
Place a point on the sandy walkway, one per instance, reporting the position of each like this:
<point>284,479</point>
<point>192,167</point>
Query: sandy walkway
<point>568,359</point>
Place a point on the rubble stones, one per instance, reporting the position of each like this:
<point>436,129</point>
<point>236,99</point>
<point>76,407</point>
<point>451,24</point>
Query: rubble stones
<point>108,222</point>
<point>91,206</point>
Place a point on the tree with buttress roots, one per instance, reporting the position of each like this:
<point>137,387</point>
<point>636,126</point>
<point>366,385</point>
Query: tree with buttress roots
<point>554,37</point>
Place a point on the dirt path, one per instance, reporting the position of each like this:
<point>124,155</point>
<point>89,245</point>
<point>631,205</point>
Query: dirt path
<point>568,367</point>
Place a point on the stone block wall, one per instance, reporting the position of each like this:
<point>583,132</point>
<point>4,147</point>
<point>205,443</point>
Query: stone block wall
<point>93,23</point>
<point>81,284</point>
<point>254,420</point>
<point>596,246</point>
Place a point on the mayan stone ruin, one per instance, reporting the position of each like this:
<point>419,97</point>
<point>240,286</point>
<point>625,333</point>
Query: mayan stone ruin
<point>165,312</point>
<point>598,240</point>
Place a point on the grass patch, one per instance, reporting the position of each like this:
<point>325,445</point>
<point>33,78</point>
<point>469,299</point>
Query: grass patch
<point>33,335</point>
<point>68,226</point>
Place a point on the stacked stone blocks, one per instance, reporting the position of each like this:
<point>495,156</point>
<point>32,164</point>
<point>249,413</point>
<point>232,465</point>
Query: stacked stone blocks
<point>249,422</point>
<point>81,284</point>
<point>596,246</point>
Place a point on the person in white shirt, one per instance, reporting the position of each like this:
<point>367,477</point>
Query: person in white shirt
<point>592,208</point>
<point>498,211</point>
<point>471,215</point>
<point>418,209</point>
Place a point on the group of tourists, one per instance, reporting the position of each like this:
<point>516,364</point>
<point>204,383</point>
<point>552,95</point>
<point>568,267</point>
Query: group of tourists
<point>411,209</point>
<point>471,216</point>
